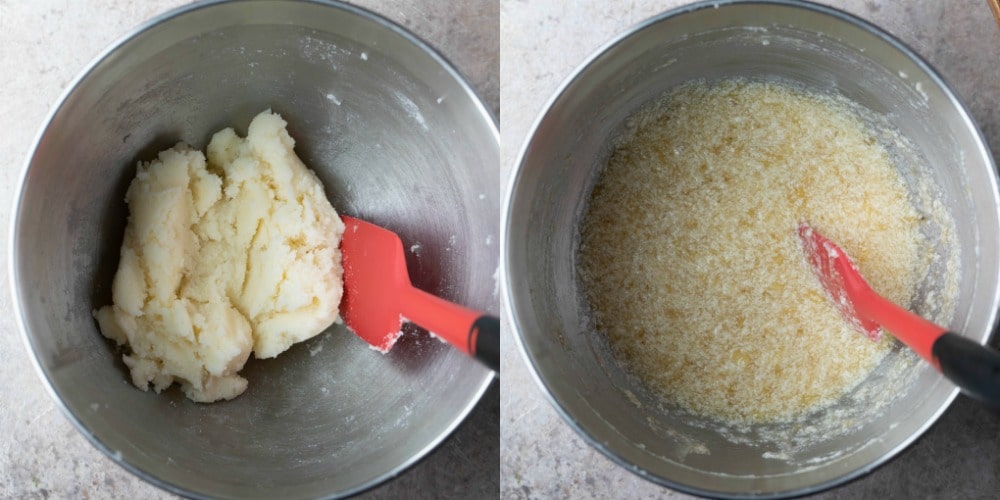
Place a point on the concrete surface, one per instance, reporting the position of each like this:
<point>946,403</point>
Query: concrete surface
<point>43,45</point>
<point>542,41</point>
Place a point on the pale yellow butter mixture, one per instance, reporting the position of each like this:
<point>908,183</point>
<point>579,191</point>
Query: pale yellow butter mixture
<point>221,258</point>
<point>690,261</point>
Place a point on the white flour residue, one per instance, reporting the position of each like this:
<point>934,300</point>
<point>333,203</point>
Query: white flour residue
<point>320,50</point>
<point>404,417</point>
<point>315,350</point>
<point>415,249</point>
<point>333,98</point>
<point>632,398</point>
<point>411,109</point>
<point>665,65</point>
<point>364,56</point>
<point>489,239</point>
<point>393,337</point>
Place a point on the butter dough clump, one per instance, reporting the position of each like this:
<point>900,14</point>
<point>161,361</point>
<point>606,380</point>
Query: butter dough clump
<point>222,258</point>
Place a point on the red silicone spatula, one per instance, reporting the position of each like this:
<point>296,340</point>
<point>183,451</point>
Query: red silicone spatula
<point>972,367</point>
<point>378,297</point>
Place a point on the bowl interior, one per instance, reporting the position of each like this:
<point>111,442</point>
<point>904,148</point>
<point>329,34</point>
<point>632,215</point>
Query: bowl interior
<point>811,46</point>
<point>397,138</point>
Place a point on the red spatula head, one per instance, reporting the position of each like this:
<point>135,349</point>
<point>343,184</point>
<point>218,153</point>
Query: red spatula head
<point>378,297</point>
<point>839,277</point>
<point>973,367</point>
<point>375,277</point>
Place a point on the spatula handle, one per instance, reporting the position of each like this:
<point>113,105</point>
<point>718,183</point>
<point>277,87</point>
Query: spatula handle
<point>472,332</point>
<point>487,341</point>
<point>911,329</point>
<point>973,367</point>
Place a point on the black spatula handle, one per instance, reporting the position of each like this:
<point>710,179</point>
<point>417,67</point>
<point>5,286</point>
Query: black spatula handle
<point>485,337</point>
<point>973,367</point>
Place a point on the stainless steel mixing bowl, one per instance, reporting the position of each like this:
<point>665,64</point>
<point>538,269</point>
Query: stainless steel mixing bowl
<point>817,47</point>
<point>397,137</point>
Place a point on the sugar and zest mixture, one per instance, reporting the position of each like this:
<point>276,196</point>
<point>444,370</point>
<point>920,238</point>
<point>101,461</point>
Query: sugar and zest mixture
<point>690,261</point>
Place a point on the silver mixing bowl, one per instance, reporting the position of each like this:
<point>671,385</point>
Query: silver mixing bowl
<point>820,48</point>
<point>397,137</point>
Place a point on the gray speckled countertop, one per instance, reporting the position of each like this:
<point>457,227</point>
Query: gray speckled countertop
<point>542,41</point>
<point>43,45</point>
